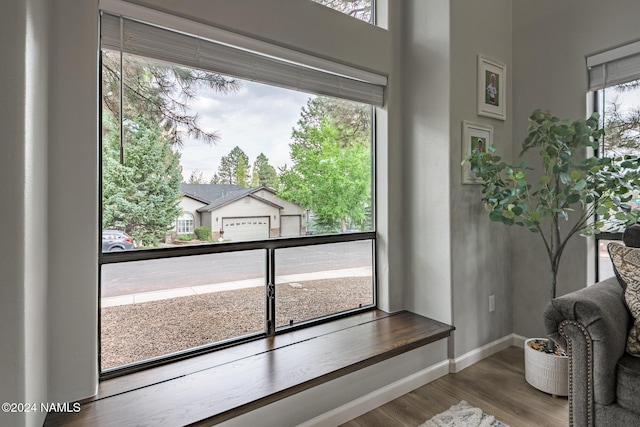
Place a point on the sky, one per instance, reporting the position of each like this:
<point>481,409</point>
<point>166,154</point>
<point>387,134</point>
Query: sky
<point>257,118</point>
<point>628,100</point>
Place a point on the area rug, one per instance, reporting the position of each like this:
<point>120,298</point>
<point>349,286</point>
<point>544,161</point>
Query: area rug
<point>463,415</point>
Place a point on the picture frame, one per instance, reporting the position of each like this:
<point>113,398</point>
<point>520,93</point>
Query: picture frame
<point>492,88</point>
<point>474,135</point>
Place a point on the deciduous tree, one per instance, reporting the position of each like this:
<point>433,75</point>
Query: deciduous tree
<point>331,171</point>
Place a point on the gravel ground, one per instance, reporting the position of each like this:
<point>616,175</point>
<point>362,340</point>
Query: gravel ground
<point>136,332</point>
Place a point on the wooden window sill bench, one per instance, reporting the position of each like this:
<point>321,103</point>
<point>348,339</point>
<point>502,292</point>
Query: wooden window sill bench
<point>223,384</point>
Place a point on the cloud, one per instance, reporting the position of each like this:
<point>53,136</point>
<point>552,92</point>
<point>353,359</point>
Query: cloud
<point>258,118</point>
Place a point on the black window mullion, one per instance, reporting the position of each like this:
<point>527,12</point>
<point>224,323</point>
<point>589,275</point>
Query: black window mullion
<point>270,293</point>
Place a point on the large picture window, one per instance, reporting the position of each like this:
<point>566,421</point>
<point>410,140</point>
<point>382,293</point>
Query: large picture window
<point>619,108</point>
<point>246,191</point>
<point>614,79</point>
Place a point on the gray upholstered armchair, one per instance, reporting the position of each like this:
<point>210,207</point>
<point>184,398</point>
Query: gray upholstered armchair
<point>592,324</point>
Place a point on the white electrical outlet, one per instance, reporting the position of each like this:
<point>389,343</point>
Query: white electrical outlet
<point>492,303</point>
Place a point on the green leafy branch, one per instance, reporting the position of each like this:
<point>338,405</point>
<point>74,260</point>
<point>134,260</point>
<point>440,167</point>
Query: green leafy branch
<point>570,185</point>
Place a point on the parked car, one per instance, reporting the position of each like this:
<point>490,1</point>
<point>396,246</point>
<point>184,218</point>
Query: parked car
<point>114,240</point>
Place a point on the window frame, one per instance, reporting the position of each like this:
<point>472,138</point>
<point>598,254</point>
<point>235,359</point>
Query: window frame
<point>607,69</point>
<point>596,105</point>
<point>269,246</point>
<point>602,235</point>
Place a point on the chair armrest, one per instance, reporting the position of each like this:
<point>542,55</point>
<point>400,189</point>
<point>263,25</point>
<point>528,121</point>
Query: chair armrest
<point>592,325</point>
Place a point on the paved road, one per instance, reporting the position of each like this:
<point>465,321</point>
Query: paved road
<point>154,275</point>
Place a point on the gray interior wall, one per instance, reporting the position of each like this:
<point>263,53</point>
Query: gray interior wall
<point>72,207</point>
<point>550,42</point>
<point>455,257</point>
<point>12,175</point>
<point>36,131</point>
<point>481,249</point>
<point>23,169</point>
<point>427,78</point>
<point>390,146</point>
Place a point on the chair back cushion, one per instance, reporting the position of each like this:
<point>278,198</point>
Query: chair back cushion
<point>626,262</point>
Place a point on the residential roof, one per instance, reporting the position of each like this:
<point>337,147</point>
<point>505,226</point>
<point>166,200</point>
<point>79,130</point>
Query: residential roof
<point>237,195</point>
<point>207,193</point>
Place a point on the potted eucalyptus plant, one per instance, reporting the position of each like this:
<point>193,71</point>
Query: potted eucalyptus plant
<point>572,194</point>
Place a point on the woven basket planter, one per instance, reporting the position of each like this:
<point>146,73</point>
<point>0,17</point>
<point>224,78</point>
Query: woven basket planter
<point>546,372</point>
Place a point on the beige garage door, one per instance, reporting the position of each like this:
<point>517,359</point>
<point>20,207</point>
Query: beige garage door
<point>251,228</point>
<point>290,225</point>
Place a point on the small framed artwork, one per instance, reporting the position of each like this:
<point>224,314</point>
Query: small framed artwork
<point>474,135</point>
<point>492,77</point>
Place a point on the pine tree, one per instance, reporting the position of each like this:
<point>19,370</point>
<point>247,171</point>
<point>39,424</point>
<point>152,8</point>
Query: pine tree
<point>263,173</point>
<point>233,168</point>
<point>161,92</point>
<point>141,195</point>
<point>141,174</point>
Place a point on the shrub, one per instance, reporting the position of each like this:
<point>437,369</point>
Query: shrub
<point>185,237</point>
<point>203,233</point>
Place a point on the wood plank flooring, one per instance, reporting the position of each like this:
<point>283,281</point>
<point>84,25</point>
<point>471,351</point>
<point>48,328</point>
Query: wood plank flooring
<point>495,384</point>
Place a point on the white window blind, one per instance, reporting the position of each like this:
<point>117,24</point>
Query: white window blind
<point>614,67</point>
<point>170,46</point>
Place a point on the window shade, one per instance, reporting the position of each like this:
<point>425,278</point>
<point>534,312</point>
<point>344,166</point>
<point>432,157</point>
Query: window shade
<point>614,67</point>
<point>165,45</point>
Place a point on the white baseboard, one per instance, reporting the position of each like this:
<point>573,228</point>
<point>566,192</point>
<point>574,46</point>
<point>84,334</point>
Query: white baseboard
<point>379,397</point>
<point>386,394</point>
<point>468,359</point>
<point>518,340</point>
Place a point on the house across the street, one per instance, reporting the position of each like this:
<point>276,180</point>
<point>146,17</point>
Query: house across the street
<point>236,213</point>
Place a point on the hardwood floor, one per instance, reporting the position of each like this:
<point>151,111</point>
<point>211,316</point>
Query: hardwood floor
<point>495,384</point>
